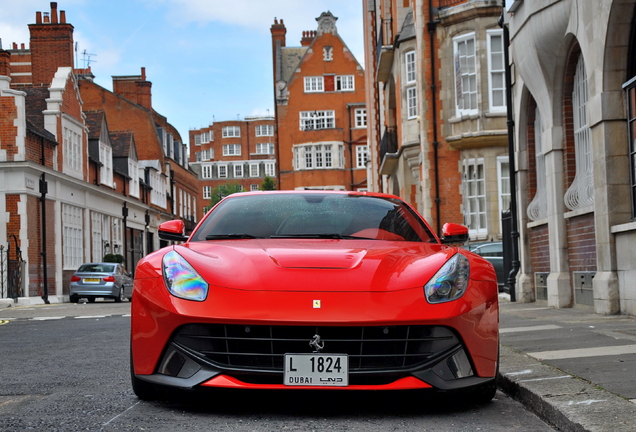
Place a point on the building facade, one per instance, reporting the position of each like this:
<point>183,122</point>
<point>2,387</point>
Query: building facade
<point>76,183</point>
<point>437,109</point>
<point>574,91</point>
<point>238,152</point>
<point>320,110</point>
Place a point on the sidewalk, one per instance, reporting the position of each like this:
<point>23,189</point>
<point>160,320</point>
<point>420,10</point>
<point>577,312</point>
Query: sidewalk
<point>573,368</point>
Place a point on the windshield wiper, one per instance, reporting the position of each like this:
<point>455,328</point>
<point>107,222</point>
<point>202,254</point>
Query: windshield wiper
<point>315,235</point>
<point>230,236</point>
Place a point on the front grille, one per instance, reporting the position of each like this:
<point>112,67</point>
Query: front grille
<point>262,347</point>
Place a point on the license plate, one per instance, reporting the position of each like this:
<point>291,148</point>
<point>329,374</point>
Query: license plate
<point>317,370</point>
<point>91,280</point>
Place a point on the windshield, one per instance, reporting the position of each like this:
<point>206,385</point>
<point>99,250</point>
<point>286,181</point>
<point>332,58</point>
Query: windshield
<point>313,215</point>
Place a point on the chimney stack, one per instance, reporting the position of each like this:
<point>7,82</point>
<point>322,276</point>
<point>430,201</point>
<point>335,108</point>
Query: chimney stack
<point>51,45</point>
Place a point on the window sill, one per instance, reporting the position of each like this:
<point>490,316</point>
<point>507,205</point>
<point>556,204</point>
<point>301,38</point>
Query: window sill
<point>578,212</point>
<point>537,223</point>
<point>623,228</point>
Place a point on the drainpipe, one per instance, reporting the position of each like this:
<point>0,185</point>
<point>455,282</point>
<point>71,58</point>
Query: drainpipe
<point>432,26</point>
<point>43,192</point>
<point>514,231</point>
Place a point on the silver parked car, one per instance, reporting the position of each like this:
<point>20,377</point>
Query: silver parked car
<point>106,280</point>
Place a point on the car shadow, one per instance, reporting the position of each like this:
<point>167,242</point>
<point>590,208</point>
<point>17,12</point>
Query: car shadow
<point>327,403</point>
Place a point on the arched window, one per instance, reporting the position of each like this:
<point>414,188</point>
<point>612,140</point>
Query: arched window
<point>538,208</point>
<point>580,194</point>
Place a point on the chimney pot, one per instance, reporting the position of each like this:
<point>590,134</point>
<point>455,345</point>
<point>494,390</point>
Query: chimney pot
<point>143,74</point>
<point>15,45</point>
<point>54,12</point>
<point>38,17</point>
<point>63,17</point>
<point>21,46</point>
<point>46,17</point>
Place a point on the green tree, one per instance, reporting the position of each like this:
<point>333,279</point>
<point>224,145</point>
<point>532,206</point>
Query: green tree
<point>268,184</point>
<point>221,191</point>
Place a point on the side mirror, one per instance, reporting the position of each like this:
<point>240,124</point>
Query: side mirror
<point>173,230</point>
<point>454,233</point>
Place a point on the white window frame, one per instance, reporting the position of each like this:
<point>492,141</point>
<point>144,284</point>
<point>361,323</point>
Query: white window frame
<point>345,83</point>
<point>411,102</point>
<point>314,84</point>
<point>270,169</point>
<point>466,76</point>
<point>474,197</point>
<point>117,236</point>
<point>96,234</point>
<point>503,185</point>
<point>106,159</point>
<point>72,236</point>
<point>313,120</point>
<point>207,192</point>
<point>197,140</point>
<point>410,70</point>
<point>238,170</point>
<point>496,72</point>
<point>206,171</point>
<point>231,150</point>
<point>254,170</point>
<point>254,187</point>
<point>222,169</point>
<point>231,131</point>
<point>133,172</point>
<point>360,115</point>
<point>313,156</point>
<point>362,156</point>
<point>264,130</point>
<point>73,147</point>
<point>264,148</point>
<point>158,192</point>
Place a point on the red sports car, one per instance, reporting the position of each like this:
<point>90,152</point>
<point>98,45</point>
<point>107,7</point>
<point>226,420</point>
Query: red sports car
<point>314,290</point>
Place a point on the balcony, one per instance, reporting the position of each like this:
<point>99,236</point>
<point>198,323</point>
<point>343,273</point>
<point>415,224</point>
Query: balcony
<point>384,54</point>
<point>388,150</point>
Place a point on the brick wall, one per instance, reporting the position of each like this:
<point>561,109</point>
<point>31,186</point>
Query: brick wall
<point>581,243</point>
<point>538,239</point>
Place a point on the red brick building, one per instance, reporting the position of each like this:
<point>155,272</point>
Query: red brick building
<point>437,111</point>
<point>78,180</point>
<point>320,110</point>
<point>237,152</point>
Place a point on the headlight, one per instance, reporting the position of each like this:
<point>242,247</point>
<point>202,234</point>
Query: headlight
<point>450,282</point>
<point>181,279</point>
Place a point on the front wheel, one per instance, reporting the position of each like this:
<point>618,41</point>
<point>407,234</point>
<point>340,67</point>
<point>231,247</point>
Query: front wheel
<point>120,297</point>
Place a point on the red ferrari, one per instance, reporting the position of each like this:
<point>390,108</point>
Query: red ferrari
<point>314,290</point>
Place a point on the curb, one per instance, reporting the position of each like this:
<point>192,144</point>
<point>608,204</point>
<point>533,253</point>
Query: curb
<point>566,402</point>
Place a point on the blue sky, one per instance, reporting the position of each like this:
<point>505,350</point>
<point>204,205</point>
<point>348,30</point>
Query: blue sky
<point>208,60</point>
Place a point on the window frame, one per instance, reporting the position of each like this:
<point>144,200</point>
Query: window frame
<point>231,150</point>
<point>478,211</point>
<point>313,118</point>
<point>360,118</point>
<point>492,72</point>
<point>231,131</point>
<point>472,76</point>
<point>345,83</point>
<point>314,84</point>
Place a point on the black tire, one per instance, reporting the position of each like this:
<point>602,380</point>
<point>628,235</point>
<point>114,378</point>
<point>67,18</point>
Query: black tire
<point>484,393</point>
<point>73,299</point>
<point>120,297</point>
<point>91,299</point>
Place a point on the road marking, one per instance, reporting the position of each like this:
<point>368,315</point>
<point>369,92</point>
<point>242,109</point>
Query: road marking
<point>545,379</point>
<point>526,309</point>
<point>46,318</point>
<point>3,322</point>
<point>531,328</point>
<point>93,316</point>
<point>584,352</point>
<point>121,414</point>
<point>525,372</point>
<point>633,400</point>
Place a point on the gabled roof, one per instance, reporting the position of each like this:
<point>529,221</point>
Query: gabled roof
<point>123,144</point>
<point>289,61</point>
<point>94,121</point>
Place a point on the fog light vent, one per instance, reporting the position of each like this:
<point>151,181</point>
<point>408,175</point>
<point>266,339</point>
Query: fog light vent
<point>178,365</point>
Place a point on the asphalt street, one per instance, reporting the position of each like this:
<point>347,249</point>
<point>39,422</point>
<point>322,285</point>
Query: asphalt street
<point>64,367</point>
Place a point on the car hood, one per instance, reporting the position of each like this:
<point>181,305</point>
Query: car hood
<point>315,264</point>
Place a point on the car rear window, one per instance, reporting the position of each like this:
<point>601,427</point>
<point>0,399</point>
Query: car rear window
<point>97,268</point>
<point>289,215</point>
